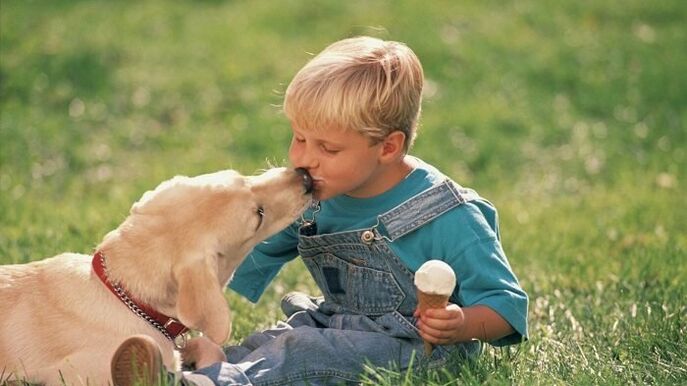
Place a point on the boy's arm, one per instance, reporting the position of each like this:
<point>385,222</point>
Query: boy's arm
<point>264,262</point>
<point>494,306</point>
<point>455,324</point>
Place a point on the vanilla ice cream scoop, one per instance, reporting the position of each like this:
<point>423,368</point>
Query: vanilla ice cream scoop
<point>435,277</point>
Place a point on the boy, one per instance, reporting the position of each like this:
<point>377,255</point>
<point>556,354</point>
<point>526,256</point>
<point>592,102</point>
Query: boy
<point>379,215</point>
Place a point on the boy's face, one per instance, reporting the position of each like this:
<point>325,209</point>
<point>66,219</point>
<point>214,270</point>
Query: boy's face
<point>339,161</point>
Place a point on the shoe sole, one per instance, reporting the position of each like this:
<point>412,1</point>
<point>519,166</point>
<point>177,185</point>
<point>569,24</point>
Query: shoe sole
<point>136,362</point>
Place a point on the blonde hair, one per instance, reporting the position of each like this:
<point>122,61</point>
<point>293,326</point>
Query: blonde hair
<point>362,83</point>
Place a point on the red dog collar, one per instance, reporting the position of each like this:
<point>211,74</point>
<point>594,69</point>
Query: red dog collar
<point>168,326</point>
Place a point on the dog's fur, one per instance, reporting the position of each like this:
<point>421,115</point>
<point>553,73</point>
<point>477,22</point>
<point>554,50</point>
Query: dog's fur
<point>176,251</point>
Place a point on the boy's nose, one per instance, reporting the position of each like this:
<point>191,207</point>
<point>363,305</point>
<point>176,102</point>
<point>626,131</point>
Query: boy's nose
<point>306,161</point>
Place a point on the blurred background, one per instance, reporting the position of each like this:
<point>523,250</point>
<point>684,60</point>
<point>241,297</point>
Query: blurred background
<point>569,116</point>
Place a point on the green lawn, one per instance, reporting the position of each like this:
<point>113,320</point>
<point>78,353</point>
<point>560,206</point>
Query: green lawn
<point>570,116</point>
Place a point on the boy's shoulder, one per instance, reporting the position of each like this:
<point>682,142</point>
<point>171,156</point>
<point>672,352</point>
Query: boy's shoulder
<point>432,177</point>
<point>478,216</point>
<point>451,206</point>
<point>474,213</point>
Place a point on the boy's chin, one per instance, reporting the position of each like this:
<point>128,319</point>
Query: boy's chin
<point>321,195</point>
<point>318,195</point>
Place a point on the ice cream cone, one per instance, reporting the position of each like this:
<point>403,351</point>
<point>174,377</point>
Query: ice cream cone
<point>435,282</point>
<point>427,301</point>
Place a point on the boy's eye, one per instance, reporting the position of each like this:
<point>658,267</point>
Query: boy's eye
<point>329,150</point>
<point>297,139</point>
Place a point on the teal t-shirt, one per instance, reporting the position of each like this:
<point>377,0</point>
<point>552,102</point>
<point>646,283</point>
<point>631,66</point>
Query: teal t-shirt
<point>466,237</point>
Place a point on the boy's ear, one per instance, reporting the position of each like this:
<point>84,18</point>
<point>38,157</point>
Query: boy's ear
<point>392,146</point>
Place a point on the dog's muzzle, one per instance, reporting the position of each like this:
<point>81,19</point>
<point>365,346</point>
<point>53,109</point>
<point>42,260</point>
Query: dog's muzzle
<point>307,179</point>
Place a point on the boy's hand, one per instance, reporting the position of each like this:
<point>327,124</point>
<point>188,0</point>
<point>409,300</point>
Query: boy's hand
<point>441,326</point>
<point>456,324</point>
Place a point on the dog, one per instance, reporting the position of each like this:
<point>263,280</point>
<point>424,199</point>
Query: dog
<point>161,272</point>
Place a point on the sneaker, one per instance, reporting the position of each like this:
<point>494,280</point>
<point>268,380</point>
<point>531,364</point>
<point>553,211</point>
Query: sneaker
<point>137,361</point>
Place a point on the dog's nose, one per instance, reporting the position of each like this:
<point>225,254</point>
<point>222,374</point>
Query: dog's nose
<point>307,179</point>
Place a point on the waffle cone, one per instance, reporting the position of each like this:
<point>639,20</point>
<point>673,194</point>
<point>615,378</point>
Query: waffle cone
<point>426,301</point>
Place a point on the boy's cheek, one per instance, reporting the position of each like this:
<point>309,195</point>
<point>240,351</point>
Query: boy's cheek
<point>292,158</point>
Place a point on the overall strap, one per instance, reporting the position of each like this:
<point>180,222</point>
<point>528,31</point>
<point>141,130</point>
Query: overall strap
<point>425,207</point>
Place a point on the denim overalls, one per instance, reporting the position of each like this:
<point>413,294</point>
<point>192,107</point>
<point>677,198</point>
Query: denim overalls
<point>365,315</point>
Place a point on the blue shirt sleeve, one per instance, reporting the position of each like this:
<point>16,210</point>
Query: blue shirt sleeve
<point>264,262</point>
<point>484,275</point>
<point>485,278</point>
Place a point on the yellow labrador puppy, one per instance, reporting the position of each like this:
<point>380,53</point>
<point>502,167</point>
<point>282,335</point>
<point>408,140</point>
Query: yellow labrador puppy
<point>162,271</point>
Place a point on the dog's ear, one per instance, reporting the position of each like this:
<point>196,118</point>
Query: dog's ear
<point>200,302</point>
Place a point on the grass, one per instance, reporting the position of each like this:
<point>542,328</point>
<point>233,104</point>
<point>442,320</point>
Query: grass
<point>569,116</point>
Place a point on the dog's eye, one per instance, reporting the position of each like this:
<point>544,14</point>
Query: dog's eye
<point>261,214</point>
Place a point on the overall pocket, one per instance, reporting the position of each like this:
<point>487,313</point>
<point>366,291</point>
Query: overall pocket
<point>354,286</point>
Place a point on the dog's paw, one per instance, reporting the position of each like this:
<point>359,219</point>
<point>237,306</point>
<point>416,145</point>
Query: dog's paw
<point>201,352</point>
